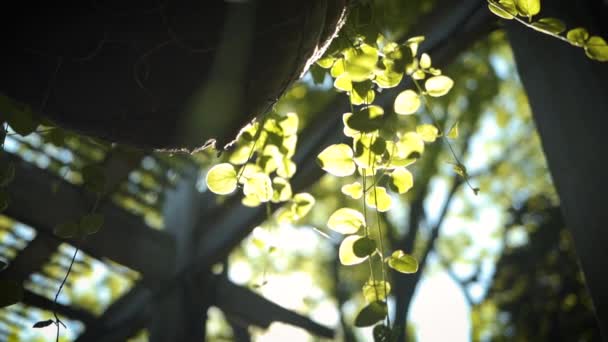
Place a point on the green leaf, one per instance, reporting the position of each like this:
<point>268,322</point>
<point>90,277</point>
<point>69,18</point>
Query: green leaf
<point>222,179</point>
<point>354,190</point>
<point>91,223</point>
<point>326,62</point>
<point>374,291</point>
<point>259,186</point>
<point>343,83</point>
<point>378,146</point>
<point>378,198</point>
<point>282,190</point>
<point>67,230</point>
<point>286,169</point>
<point>453,133</point>
<point>337,69</point>
<point>11,292</point>
<point>301,205</point>
<point>94,178</point>
<point>362,93</point>
<point>346,221</point>
<point>528,8</point>
<point>407,102</point>
<point>22,120</point>
<point>504,8</point>
<point>364,247</point>
<point>349,132</point>
<point>549,25</point>
<point>367,119</point>
<point>425,61</point>
<point>403,263</point>
<point>360,62</point>
<point>578,36</point>
<point>371,314</point>
<point>4,200</point>
<point>346,252</point>
<point>388,78</point>
<point>337,159</point>
<point>437,86</point>
<point>289,124</point>
<point>596,48</point>
<point>401,180</point>
<point>428,133</point>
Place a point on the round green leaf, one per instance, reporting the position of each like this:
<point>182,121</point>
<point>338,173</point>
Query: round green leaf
<point>437,86</point>
<point>67,230</point>
<point>371,314</point>
<point>578,36</point>
<point>11,292</point>
<point>367,119</point>
<point>337,159</point>
<point>354,190</point>
<point>282,190</point>
<point>346,221</point>
<point>289,124</point>
<point>364,247</point>
<point>302,203</point>
<point>378,198</point>
<point>403,263</point>
<point>401,180</point>
<point>596,48</point>
<point>326,62</point>
<point>549,25</point>
<point>528,8</point>
<point>91,223</point>
<point>22,121</point>
<point>407,102</point>
<point>428,133</point>
<point>346,253</point>
<point>376,290</point>
<point>221,179</point>
<point>388,78</point>
<point>259,186</point>
<point>425,61</point>
<point>503,9</point>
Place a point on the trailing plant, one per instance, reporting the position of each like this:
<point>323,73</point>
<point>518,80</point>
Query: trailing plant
<point>525,11</point>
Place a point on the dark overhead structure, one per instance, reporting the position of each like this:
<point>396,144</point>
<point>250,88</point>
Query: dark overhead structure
<point>165,77</point>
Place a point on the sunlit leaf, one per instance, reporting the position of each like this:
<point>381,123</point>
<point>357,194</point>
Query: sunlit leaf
<point>364,247</point>
<point>289,124</point>
<point>401,180</point>
<point>578,36</point>
<point>504,8</point>
<point>371,314</point>
<point>413,44</point>
<point>403,263</point>
<point>362,93</point>
<point>337,159</point>
<point>425,61</point>
<point>11,292</point>
<point>407,102</point>
<point>354,190</point>
<point>428,133</point>
<point>260,186</point>
<point>286,169</point>
<point>337,69</point>
<point>596,48</point>
<point>453,133</point>
<point>374,291</point>
<point>222,179</point>
<point>367,119</point>
<point>438,85</point>
<point>346,221</point>
<point>388,78</point>
<point>378,198</point>
<point>326,62</point>
<point>343,82</point>
<point>528,8</point>
<point>282,190</point>
<point>302,203</point>
<point>549,25</point>
<point>346,252</point>
<point>360,62</point>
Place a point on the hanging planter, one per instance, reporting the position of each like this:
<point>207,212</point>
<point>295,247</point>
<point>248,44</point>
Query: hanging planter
<point>162,74</point>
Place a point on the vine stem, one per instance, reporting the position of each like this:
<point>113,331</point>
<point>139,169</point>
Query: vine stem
<point>57,320</point>
<point>381,240</point>
<point>442,137</point>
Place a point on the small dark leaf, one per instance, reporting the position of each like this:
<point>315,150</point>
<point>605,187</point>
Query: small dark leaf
<point>318,74</point>
<point>43,324</point>
<point>94,178</point>
<point>91,223</point>
<point>379,146</point>
<point>11,292</point>
<point>476,191</point>
<point>4,200</point>
<point>382,333</point>
<point>364,247</point>
<point>371,314</point>
<point>66,230</point>
<point>7,173</point>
